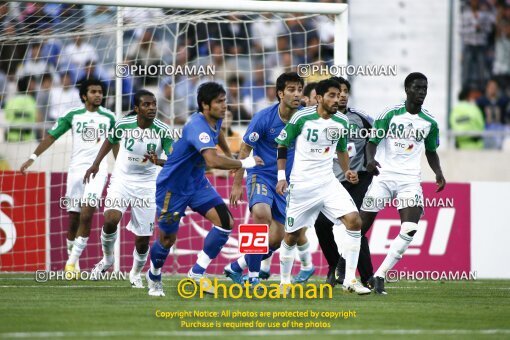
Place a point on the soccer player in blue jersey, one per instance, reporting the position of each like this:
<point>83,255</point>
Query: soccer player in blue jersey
<point>266,206</point>
<point>182,183</point>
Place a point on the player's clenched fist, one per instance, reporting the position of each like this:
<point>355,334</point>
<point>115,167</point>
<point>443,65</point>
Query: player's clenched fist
<point>352,176</point>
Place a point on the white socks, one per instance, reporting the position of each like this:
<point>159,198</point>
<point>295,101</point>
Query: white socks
<point>265,265</point>
<point>108,245</point>
<point>351,246</point>
<point>70,244</point>
<point>203,260</point>
<point>79,245</point>
<point>398,246</point>
<point>304,256</point>
<point>138,262</point>
<point>286,261</point>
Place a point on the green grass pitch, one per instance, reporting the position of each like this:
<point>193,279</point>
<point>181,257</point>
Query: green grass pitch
<point>112,309</point>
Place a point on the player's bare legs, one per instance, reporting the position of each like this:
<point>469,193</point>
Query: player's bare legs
<point>409,218</point>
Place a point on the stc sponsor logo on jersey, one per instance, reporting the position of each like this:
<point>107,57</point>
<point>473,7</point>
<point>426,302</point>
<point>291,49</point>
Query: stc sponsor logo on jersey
<point>324,151</point>
<point>403,146</point>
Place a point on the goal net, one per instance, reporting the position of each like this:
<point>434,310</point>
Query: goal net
<point>47,50</point>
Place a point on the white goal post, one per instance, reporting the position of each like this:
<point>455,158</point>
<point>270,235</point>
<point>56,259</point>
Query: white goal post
<point>112,44</point>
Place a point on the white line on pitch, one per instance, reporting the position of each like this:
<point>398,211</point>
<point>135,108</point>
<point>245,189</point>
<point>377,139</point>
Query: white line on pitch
<point>260,333</point>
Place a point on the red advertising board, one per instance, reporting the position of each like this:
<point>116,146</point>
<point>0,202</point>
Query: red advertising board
<point>442,242</point>
<point>22,221</point>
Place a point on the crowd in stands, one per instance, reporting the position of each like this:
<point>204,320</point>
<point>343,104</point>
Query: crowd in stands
<point>39,75</point>
<point>484,103</point>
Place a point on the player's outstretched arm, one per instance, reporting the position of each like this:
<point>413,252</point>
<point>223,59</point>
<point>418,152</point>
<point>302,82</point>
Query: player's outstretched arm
<point>372,164</point>
<point>281,186</point>
<point>237,190</point>
<point>343,159</point>
<point>435,165</point>
<point>94,168</point>
<point>43,146</point>
<point>213,160</point>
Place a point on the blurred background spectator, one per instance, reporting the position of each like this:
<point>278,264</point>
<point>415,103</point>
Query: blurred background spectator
<point>22,109</point>
<point>494,105</point>
<point>467,116</point>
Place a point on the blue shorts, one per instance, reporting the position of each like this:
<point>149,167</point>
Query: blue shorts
<point>171,207</point>
<point>261,190</point>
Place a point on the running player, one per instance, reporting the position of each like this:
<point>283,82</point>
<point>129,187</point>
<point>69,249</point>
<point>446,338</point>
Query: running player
<point>142,139</point>
<point>182,183</point>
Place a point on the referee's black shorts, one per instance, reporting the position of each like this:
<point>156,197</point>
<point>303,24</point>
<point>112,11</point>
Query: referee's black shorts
<point>358,191</point>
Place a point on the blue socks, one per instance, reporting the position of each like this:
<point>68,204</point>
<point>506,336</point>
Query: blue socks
<point>158,255</point>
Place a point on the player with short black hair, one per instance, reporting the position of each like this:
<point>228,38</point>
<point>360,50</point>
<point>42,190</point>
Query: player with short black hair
<point>356,149</point>
<point>266,206</point>
<point>317,130</point>
<point>412,130</point>
<point>309,94</point>
<point>182,183</point>
<point>133,178</point>
<point>81,120</point>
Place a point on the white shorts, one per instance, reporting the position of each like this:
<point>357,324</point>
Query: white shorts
<point>142,200</point>
<point>304,203</point>
<point>76,191</point>
<point>389,191</point>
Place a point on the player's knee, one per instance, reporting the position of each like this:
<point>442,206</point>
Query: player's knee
<point>409,228</point>
<point>261,215</point>
<point>86,216</point>
<point>352,221</point>
<point>291,238</point>
<point>226,219</point>
<point>110,222</point>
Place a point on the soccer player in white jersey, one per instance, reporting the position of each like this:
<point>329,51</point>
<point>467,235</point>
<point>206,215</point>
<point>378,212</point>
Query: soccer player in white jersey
<point>394,157</point>
<point>143,139</point>
<point>319,132</point>
<point>81,121</point>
